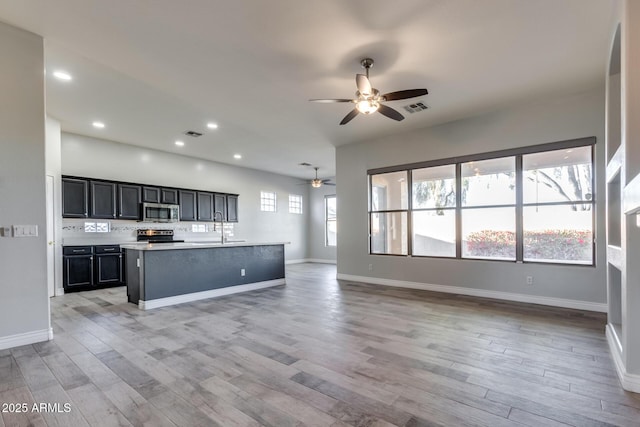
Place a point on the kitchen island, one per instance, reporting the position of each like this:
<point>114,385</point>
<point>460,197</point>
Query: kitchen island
<point>164,274</point>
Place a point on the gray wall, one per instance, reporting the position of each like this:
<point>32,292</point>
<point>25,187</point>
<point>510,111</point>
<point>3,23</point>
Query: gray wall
<point>549,120</point>
<point>317,250</point>
<point>96,158</point>
<point>24,306</point>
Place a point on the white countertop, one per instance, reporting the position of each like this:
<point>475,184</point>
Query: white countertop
<point>141,246</point>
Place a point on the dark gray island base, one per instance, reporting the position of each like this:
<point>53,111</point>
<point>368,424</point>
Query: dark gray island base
<point>168,274</point>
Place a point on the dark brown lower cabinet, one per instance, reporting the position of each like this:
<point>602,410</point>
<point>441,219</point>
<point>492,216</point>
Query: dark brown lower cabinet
<point>92,267</point>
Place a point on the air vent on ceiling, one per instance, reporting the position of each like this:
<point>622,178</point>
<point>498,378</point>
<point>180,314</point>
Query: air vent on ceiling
<point>304,164</point>
<point>193,133</point>
<point>414,108</point>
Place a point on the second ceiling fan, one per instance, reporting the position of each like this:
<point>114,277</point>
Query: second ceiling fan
<point>368,99</point>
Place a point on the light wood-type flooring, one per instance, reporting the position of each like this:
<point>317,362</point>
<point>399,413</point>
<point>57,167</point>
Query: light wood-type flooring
<point>316,352</point>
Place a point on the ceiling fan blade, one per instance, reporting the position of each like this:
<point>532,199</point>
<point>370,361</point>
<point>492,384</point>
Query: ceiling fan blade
<point>404,94</point>
<point>349,116</point>
<point>330,101</point>
<point>328,183</point>
<point>364,86</point>
<point>390,112</point>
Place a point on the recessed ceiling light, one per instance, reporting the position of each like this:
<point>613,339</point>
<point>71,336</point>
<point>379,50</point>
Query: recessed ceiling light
<point>212,125</point>
<point>237,156</point>
<point>179,143</point>
<point>62,75</point>
<point>98,125</point>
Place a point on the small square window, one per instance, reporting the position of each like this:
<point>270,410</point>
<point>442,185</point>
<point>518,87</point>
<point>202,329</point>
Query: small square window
<point>295,204</point>
<point>267,201</point>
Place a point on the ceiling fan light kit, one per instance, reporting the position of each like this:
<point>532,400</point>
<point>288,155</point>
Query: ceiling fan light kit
<point>368,99</point>
<point>317,182</point>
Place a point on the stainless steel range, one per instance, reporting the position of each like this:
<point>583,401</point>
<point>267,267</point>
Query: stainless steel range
<point>156,236</point>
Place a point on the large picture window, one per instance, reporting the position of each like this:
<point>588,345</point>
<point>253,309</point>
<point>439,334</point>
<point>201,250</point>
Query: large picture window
<point>558,204</point>
<point>489,208</point>
<point>389,213</point>
<point>433,193</point>
<point>534,204</point>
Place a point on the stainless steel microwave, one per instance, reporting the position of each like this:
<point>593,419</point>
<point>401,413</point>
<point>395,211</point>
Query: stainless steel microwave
<point>158,212</point>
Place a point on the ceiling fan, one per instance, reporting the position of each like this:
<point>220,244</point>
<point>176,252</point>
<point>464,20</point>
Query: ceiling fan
<point>317,182</point>
<point>368,99</point>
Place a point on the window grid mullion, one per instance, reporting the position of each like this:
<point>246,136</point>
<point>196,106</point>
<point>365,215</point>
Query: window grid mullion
<point>575,202</point>
<point>410,213</point>
<point>458,210</point>
<point>510,205</point>
<point>370,192</point>
<point>519,211</point>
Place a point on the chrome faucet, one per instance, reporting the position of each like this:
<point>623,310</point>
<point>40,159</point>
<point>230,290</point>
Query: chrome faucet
<point>221,225</point>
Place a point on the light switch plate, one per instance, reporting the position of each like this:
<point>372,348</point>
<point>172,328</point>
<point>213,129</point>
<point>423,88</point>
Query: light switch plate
<point>25,231</point>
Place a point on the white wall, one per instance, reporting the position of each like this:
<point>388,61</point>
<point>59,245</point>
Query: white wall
<point>54,169</point>
<point>96,158</point>
<point>318,251</point>
<point>564,118</point>
<point>24,305</point>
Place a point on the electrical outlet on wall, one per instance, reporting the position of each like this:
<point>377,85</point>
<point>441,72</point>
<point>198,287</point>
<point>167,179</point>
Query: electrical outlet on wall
<point>529,280</point>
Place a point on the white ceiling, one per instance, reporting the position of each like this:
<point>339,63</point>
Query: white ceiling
<point>152,69</point>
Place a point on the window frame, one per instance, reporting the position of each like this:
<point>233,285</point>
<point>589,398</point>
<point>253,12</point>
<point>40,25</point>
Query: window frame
<point>460,209</point>
<point>454,208</point>
<point>326,220</point>
<point>406,211</point>
<point>265,201</point>
<point>295,204</point>
<point>518,153</point>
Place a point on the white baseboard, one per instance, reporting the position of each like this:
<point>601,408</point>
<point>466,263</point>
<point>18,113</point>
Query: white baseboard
<point>313,260</point>
<point>195,296</point>
<point>508,296</point>
<point>321,261</point>
<point>26,338</point>
<point>58,292</point>
<point>630,382</point>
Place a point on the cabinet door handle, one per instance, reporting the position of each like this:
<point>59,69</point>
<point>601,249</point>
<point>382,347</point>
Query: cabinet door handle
<point>109,249</point>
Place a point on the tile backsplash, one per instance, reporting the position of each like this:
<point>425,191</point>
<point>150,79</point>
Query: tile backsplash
<point>91,231</point>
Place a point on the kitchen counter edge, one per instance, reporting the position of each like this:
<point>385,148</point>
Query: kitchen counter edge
<point>193,245</point>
